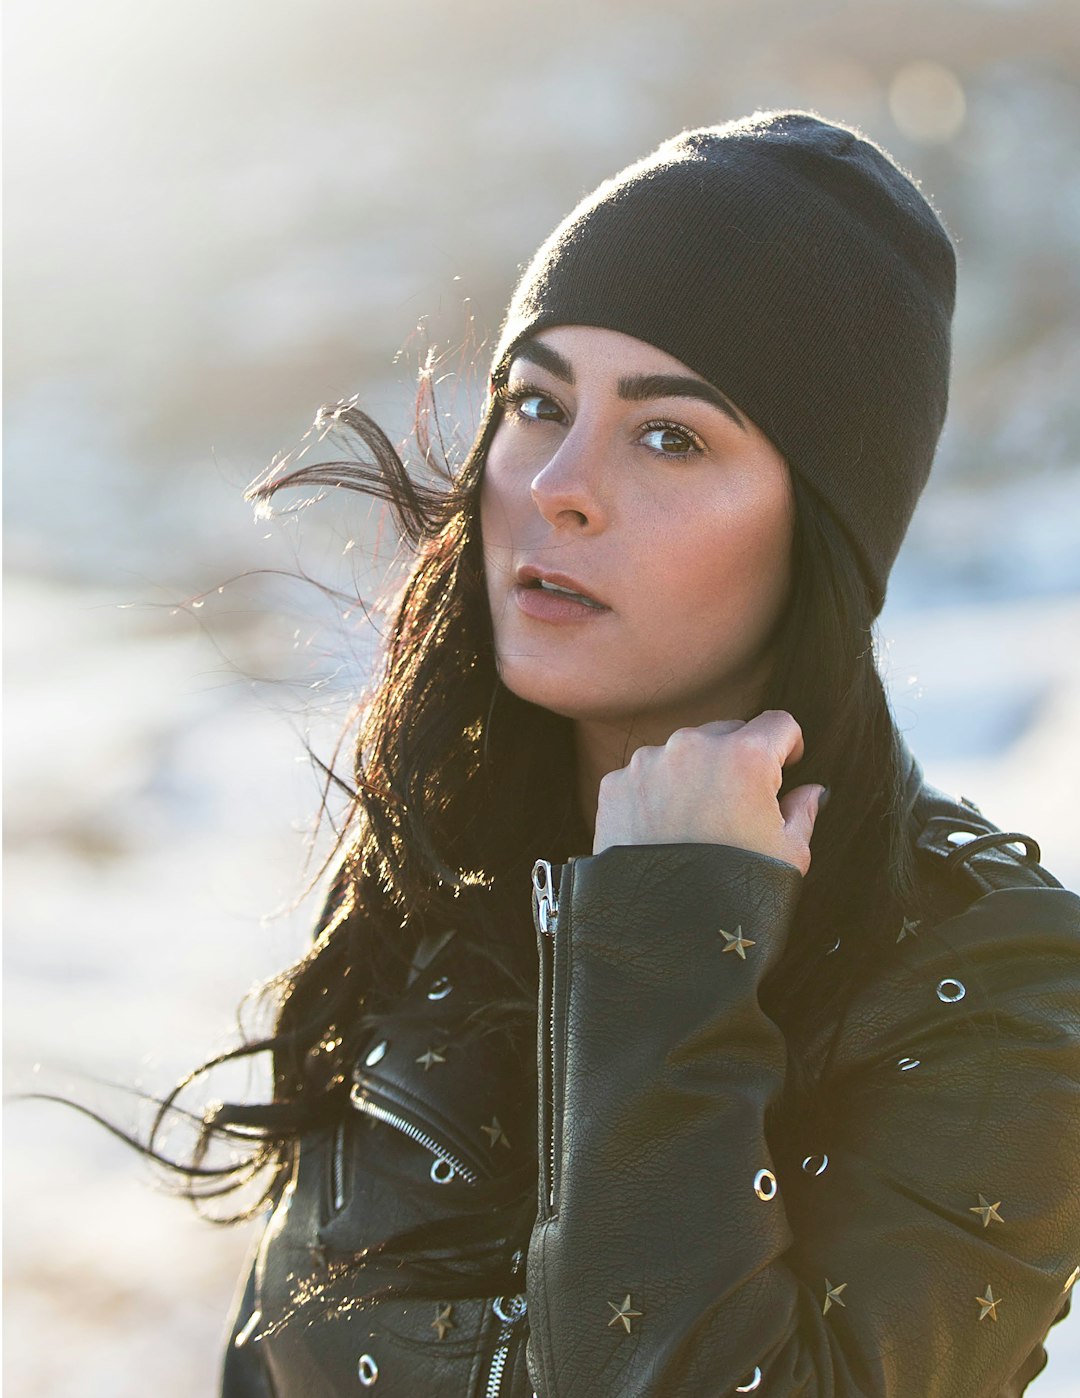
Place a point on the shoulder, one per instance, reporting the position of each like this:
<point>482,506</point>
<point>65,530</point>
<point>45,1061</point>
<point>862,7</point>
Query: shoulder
<point>956,838</point>
<point>994,947</point>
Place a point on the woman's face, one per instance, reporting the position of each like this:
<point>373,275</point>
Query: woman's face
<point>672,515</point>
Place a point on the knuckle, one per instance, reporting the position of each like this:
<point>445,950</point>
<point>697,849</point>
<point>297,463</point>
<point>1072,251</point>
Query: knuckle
<point>787,719</point>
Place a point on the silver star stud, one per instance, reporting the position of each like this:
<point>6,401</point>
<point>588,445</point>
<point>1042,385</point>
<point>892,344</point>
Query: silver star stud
<point>908,929</point>
<point>736,942</point>
<point>987,1211</point>
<point>442,1322</point>
<point>496,1133</point>
<point>432,1056</point>
<point>622,1313</point>
<point>832,1293</point>
<point>989,1304</point>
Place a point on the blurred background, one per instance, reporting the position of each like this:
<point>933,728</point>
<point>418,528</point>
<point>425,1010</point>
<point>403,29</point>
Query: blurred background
<point>220,215</point>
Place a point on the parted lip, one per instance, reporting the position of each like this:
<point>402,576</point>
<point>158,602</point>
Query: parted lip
<point>529,574</point>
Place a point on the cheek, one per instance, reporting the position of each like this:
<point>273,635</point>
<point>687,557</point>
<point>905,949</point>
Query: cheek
<point>493,518</point>
<point>729,563</point>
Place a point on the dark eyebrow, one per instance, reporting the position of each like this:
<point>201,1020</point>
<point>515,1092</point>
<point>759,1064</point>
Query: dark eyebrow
<point>633,387</point>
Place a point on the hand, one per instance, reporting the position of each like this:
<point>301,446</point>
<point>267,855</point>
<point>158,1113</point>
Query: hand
<point>716,784</point>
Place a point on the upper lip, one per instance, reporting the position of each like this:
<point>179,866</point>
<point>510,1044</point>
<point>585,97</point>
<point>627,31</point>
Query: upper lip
<point>530,573</point>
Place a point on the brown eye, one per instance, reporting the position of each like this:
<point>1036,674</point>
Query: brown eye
<point>673,441</point>
<point>528,404</point>
<point>547,411</point>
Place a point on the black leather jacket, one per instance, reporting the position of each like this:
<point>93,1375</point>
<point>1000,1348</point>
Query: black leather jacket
<point>923,1250</point>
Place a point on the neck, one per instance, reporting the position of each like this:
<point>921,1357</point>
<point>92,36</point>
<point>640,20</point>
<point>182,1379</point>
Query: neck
<point>602,746</point>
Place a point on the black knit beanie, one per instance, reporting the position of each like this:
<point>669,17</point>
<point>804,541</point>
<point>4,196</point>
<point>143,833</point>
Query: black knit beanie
<point>792,263</point>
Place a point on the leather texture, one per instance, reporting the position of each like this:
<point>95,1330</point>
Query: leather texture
<point>923,1250</point>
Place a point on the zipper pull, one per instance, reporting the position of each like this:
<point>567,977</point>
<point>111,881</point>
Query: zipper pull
<point>545,902</point>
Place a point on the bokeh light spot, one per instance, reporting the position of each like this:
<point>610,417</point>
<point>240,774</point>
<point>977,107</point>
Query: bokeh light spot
<point>927,102</point>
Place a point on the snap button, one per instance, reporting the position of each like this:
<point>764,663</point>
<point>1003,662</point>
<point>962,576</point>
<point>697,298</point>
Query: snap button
<point>367,1370</point>
<point>765,1184</point>
<point>754,1381</point>
<point>950,990</point>
<point>819,1169</point>
<point>373,1055</point>
<point>960,837</point>
<point>904,1064</point>
<point>439,989</point>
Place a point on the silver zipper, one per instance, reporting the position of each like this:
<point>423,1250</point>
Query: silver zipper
<point>545,916</point>
<point>509,1310</point>
<point>545,901</point>
<point>364,1104</point>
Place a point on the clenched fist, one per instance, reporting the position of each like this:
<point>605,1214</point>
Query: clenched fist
<point>716,784</point>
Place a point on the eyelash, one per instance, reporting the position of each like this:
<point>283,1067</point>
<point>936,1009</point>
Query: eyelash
<point>509,398</point>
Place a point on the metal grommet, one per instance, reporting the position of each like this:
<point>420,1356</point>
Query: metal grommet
<point>960,837</point>
<point>367,1370</point>
<point>950,990</point>
<point>439,989</point>
<point>904,1064</point>
<point>376,1053</point>
<point>820,1169</point>
<point>442,1172</point>
<point>755,1380</point>
<point>765,1184</point>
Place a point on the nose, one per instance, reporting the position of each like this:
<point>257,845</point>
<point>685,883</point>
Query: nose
<point>565,490</point>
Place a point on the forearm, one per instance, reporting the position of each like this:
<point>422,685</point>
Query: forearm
<point>663,1067</point>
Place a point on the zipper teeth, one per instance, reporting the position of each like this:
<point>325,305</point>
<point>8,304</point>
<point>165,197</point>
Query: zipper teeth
<point>551,1070</point>
<point>498,1362</point>
<point>373,1109</point>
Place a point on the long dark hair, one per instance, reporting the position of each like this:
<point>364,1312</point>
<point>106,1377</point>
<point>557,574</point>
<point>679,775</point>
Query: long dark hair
<point>458,785</point>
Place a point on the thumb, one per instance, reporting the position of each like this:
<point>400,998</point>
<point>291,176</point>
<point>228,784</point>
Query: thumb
<point>800,809</point>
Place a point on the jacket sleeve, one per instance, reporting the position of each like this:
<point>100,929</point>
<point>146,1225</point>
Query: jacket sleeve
<point>667,1259</point>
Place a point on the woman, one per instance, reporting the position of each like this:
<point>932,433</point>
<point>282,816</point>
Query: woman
<point>770,1095</point>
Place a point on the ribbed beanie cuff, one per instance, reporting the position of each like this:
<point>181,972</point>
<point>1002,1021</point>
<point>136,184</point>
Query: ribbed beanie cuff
<point>792,263</point>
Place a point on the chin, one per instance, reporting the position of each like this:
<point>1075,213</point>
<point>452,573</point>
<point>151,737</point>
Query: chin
<point>542,690</point>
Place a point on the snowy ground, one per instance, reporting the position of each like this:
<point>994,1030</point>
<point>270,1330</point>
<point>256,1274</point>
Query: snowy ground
<point>154,810</point>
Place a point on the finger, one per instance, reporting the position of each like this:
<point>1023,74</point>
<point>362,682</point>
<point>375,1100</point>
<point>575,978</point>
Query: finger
<point>800,810</point>
<point>781,732</point>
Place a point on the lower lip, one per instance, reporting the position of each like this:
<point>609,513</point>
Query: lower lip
<point>542,605</point>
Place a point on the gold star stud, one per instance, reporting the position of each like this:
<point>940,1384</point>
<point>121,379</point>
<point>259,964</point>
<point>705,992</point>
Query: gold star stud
<point>989,1304</point>
<point>832,1293</point>
<point>1071,1278</point>
<point>432,1056</point>
<point>987,1212</point>
<point>908,929</point>
<point>496,1133</point>
<point>622,1313</point>
<point>736,942</point>
<point>442,1322</point>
